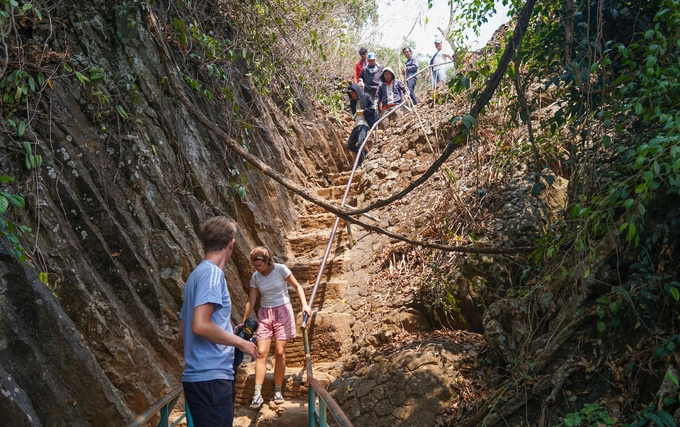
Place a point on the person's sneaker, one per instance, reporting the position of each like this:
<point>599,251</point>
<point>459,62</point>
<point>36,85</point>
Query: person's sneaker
<point>278,398</point>
<point>257,401</point>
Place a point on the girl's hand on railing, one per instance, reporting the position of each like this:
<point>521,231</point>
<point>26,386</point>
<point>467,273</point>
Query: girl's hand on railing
<point>307,309</point>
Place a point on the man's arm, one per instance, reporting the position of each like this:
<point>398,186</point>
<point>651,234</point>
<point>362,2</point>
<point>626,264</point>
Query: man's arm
<point>204,327</point>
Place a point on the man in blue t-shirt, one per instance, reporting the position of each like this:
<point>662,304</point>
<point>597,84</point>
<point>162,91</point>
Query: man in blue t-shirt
<point>206,332</point>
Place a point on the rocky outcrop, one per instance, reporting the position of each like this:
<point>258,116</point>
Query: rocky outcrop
<point>115,208</point>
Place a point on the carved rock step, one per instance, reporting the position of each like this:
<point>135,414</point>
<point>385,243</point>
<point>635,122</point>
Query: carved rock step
<point>333,193</point>
<point>291,413</point>
<point>311,208</point>
<point>341,178</point>
<point>315,243</point>
<point>306,271</point>
<point>321,220</point>
<point>327,294</point>
<point>294,382</point>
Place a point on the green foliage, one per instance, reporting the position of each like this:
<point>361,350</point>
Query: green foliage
<point>333,101</point>
<point>8,228</point>
<point>238,182</point>
<point>591,415</point>
<point>652,416</point>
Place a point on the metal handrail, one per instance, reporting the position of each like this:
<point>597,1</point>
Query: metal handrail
<point>164,405</point>
<point>428,68</point>
<point>342,204</point>
<point>325,399</point>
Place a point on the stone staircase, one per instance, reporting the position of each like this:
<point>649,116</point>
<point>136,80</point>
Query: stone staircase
<point>328,332</point>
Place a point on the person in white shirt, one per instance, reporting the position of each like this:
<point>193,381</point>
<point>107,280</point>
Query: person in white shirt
<point>439,71</point>
<point>275,316</point>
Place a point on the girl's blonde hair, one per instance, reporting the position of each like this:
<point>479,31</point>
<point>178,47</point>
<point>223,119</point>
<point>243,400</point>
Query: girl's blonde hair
<point>261,253</point>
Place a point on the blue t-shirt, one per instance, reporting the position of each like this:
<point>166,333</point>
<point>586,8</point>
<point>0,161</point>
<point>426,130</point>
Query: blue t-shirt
<point>206,361</point>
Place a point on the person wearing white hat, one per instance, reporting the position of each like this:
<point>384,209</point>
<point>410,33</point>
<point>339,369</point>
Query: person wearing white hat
<point>371,75</point>
<point>439,57</point>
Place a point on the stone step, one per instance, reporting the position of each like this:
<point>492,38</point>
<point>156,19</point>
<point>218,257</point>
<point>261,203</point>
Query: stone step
<point>328,293</point>
<point>306,271</point>
<point>294,381</point>
<point>291,413</point>
<point>311,209</point>
<point>340,178</point>
<point>323,220</point>
<point>314,244</point>
<point>333,193</point>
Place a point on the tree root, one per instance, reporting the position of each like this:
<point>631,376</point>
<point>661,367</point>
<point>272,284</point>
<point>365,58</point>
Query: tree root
<point>522,391</point>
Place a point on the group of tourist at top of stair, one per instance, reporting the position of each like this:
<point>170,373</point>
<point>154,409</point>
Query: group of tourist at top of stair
<point>376,91</point>
<point>208,337</point>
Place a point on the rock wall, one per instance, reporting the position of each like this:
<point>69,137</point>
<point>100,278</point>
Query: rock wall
<point>115,209</point>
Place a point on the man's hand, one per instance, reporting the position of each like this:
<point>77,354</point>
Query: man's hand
<point>248,347</point>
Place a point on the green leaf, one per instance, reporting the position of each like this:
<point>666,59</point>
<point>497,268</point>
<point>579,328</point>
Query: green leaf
<point>4,204</point>
<point>82,78</point>
<point>665,417</point>
<point>675,292</point>
<point>43,277</point>
<point>601,326</point>
<point>614,307</point>
<point>19,201</point>
<point>632,232</point>
<point>21,128</point>
<point>5,178</point>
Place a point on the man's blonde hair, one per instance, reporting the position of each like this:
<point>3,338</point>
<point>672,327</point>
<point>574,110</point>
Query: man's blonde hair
<point>216,233</point>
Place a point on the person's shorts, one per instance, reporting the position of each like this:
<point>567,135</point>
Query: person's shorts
<point>276,323</point>
<point>211,403</point>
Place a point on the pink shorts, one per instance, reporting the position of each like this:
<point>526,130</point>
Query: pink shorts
<point>276,323</point>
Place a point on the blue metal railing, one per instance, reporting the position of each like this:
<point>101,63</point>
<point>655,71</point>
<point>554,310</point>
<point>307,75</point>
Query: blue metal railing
<point>164,406</point>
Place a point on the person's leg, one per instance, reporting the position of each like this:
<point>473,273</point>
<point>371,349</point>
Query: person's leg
<point>361,132</point>
<point>412,90</point>
<point>441,76</point>
<point>279,369</point>
<point>354,139</point>
<point>261,362</point>
<point>211,402</point>
<point>280,361</point>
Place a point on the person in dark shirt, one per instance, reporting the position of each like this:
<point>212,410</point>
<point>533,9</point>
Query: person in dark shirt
<point>365,116</point>
<point>371,75</point>
<point>411,70</point>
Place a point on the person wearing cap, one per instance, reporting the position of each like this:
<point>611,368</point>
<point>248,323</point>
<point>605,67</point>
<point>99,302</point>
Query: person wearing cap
<point>410,71</point>
<point>361,64</point>
<point>371,76</point>
<point>365,116</point>
<point>390,93</point>
<point>439,57</point>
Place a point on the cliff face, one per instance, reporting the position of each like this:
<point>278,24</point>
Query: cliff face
<point>115,209</point>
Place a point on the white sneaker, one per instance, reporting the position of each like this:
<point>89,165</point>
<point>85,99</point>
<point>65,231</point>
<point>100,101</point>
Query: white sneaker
<point>278,398</point>
<point>257,401</point>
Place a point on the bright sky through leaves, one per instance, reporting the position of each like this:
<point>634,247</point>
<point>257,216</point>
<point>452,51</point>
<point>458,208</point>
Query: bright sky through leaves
<point>412,20</point>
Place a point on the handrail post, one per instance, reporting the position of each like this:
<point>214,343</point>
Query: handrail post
<point>165,417</point>
<point>190,420</point>
<point>311,410</point>
<point>323,421</point>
